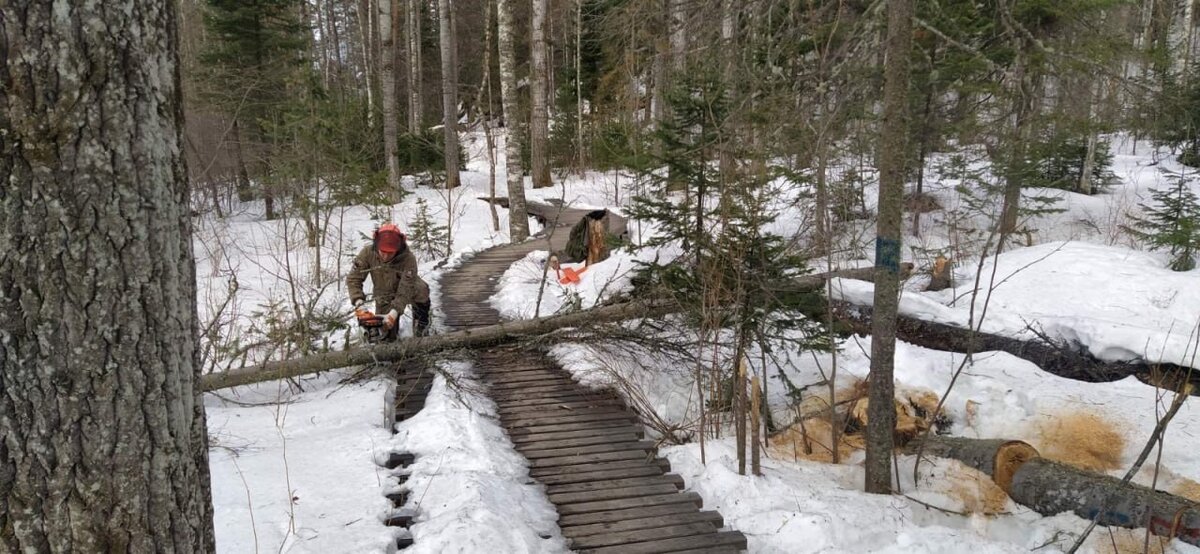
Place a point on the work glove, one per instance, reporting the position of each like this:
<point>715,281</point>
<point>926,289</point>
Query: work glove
<point>389,320</point>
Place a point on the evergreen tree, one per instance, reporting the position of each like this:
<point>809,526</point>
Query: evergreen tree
<point>1173,222</point>
<point>426,235</point>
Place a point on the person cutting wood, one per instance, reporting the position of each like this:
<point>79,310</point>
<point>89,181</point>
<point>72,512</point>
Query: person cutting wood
<point>394,280</point>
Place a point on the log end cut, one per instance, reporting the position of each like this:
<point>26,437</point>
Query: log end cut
<point>1010,456</point>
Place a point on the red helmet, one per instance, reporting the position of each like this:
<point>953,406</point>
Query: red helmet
<point>389,239</point>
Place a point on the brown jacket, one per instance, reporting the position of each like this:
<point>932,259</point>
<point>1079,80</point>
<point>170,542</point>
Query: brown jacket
<point>395,283</point>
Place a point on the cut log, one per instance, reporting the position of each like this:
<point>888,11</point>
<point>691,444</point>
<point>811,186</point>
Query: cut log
<point>1051,488</point>
<point>998,458</point>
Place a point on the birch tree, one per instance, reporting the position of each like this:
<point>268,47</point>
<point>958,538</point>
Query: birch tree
<point>539,126</point>
<point>447,47</point>
<point>388,20</point>
<point>518,219</point>
<point>881,418</point>
<point>104,445</point>
<point>413,25</point>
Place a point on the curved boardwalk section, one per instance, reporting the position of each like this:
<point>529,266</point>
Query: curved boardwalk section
<point>586,446</point>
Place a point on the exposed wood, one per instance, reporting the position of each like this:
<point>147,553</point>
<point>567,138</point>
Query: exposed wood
<point>998,458</point>
<point>627,537</point>
<point>587,440</point>
<point>662,464</point>
<point>626,514</point>
<point>581,426</point>
<point>611,446</point>
<point>731,538</point>
<point>669,479</point>
<point>600,475</point>
<point>711,517</point>
<point>599,495</point>
<point>631,503</point>
<point>579,459</point>
<point>520,440</point>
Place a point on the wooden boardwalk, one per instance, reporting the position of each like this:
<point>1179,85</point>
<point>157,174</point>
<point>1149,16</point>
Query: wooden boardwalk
<point>612,493</point>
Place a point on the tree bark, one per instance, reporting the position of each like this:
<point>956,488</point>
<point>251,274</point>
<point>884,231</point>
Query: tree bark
<point>539,129</point>
<point>518,218</point>
<point>893,147</point>
<point>104,440</point>
<point>388,18</point>
<point>415,106</point>
<point>998,458</point>
<point>447,43</point>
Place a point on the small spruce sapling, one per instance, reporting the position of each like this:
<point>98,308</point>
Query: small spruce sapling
<point>1172,223</point>
<point>426,236</point>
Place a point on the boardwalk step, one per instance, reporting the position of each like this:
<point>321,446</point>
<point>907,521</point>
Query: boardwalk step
<point>581,416</point>
<point>611,446</point>
<point>398,459</point>
<point>601,475</point>
<point>710,517</point>
<point>577,396</point>
<point>568,498</point>
<point>726,538</point>
<point>588,459</point>
<point>561,407</point>
<point>674,497</point>
<point>572,426</point>
<point>520,439</point>
<point>622,515</point>
<point>539,472</point>
<point>669,479</point>
<point>643,535</point>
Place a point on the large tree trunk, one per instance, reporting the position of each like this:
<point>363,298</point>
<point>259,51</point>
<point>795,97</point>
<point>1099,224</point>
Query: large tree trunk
<point>447,42</point>
<point>887,247</point>
<point>104,442</point>
<point>539,129</point>
<point>518,219</point>
<point>389,13</point>
<point>415,106</point>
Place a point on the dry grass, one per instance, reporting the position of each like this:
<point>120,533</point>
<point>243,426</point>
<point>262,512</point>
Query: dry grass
<point>1082,439</point>
<point>975,489</point>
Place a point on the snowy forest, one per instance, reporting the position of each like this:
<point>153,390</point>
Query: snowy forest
<point>612,276</point>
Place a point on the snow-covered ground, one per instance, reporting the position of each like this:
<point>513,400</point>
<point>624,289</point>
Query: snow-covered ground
<point>297,471</point>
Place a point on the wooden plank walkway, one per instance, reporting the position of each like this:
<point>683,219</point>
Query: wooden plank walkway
<point>612,492</point>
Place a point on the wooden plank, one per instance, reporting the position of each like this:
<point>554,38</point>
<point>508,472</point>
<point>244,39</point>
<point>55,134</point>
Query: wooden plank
<point>525,393</point>
<point>643,535</point>
<point>611,446</point>
<point>622,515</point>
<point>594,414</point>
<point>544,381</point>
<point>600,476</point>
<point>520,439</point>
<point>588,458</point>
<point>630,503</point>
<point>705,516</point>
<point>580,426</point>
<point>538,472</point>
<point>561,407</point>
<point>668,479</point>
<point>498,378</point>
<point>724,538</point>
<point>568,498</point>
<point>577,396</point>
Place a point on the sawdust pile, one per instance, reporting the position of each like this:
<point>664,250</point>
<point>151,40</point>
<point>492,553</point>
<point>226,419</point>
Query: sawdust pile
<point>812,438</point>
<point>1082,439</point>
<point>975,489</point>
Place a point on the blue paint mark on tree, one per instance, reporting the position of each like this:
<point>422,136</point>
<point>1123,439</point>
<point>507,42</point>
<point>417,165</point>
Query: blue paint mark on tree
<point>887,254</point>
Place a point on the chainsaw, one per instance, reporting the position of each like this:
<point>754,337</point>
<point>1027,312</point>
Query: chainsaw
<point>372,325</point>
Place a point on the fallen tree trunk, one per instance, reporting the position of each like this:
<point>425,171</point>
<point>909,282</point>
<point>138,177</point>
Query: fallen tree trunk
<point>1071,362</point>
<point>1051,488</point>
<point>492,334</point>
<point>998,458</point>
<point>405,348</point>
